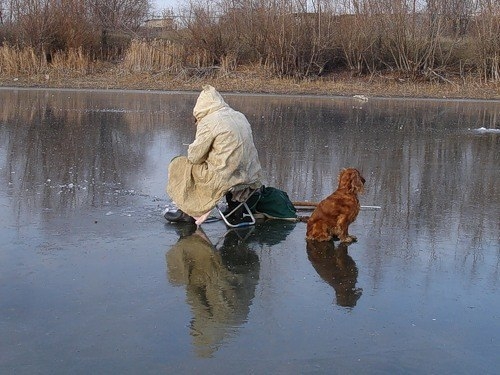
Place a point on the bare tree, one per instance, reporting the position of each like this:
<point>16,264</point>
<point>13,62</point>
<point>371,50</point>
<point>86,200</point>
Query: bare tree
<point>124,15</point>
<point>486,47</point>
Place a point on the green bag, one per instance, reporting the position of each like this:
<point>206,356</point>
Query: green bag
<point>273,203</point>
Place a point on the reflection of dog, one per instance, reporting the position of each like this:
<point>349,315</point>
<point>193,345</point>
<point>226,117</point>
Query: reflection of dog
<point>337,268</point>
<point>335,213</point>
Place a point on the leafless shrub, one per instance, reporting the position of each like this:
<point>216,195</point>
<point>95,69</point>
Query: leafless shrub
<point>49,25</point>
<point>418,39</point>
<point>486,46</point>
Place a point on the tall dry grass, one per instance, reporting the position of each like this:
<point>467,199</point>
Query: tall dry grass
<point>15,60</point>
<point>72,61</point>
<point>26,61</point>
<point>162,56</point>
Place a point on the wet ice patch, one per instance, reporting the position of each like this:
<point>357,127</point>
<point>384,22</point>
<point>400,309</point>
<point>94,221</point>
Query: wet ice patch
<point>132,192</point>
<point>116,201</point>
<point>107,110</point>
<point>66,187</point>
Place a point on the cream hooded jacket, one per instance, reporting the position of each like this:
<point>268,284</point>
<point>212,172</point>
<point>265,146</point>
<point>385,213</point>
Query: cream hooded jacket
<point>222,155</point>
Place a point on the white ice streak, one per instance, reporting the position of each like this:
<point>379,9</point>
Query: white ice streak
<point>363,98</point>
<point>486,130</point>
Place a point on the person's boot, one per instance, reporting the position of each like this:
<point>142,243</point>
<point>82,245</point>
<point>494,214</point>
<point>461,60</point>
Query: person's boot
<point>178,216</point>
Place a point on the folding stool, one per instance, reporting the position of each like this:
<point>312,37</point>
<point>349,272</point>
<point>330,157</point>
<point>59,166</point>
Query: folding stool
<point>247,212</point>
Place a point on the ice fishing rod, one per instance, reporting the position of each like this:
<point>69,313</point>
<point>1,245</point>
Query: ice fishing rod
<point>304,205</point>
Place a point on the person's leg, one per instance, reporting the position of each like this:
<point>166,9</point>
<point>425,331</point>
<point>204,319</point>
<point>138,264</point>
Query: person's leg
<point>177,189</point>
<point>202,218</point>
<point>231,205</point>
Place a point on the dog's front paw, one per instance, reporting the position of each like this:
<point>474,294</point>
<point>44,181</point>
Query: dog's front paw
<point>318,238</point>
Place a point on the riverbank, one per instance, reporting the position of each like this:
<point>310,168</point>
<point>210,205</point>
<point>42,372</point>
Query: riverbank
<point>251,81</point>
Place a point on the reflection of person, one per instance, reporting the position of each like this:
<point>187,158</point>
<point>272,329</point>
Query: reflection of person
<point>222,156</point>
<point>337,268</point>
<point>220,285</point>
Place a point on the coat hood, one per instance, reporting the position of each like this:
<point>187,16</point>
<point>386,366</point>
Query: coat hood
<point>222,156</point>
<point>208,102</point>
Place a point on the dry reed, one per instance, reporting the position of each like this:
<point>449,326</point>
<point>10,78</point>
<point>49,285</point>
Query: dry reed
<point>153,56</point>
<point>72,61</point>
<point>15,60</point>
<point>25,61</point>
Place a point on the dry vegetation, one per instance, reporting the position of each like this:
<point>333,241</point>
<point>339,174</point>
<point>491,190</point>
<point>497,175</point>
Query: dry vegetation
<point>439,48</point>
<point>252,80</point>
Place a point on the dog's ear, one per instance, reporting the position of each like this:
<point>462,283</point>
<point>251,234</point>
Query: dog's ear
<point>342,178</point>
<point>357,182</point>
<point>351,180</point>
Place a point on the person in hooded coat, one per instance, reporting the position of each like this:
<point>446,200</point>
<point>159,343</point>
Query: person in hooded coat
<point>222,157</point>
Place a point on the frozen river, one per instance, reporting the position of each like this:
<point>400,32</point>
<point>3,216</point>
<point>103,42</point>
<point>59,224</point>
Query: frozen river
<point>93,280</point>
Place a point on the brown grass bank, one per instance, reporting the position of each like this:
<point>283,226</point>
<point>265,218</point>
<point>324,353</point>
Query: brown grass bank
<point>253,80</point>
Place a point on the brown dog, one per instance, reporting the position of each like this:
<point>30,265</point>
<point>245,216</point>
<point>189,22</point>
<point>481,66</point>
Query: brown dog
<point>335,213</point>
